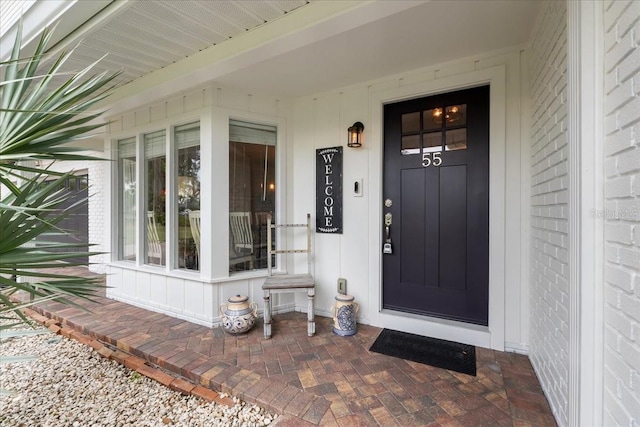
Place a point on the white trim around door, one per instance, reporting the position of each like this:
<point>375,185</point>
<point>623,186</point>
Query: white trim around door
<point>492,336</point>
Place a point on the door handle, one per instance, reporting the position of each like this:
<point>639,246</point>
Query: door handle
<point>387,248</point>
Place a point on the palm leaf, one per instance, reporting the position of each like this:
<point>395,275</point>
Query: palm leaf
<point>38,120</point>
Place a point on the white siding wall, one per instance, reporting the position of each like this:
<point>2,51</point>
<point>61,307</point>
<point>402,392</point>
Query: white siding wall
<point>622,214</point>
<point>549,189</point>
<point>191,295</point>
<point>322,120</point>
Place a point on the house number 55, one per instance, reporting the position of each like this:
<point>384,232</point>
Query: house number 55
<point>431,159</point>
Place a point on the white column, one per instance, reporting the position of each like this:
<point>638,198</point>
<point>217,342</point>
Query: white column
<point>585,33</point>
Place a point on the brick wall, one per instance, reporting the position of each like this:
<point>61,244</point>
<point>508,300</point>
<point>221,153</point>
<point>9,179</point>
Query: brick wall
<point>97,214</point>
<point>549,187</point>
<point>622,213</point>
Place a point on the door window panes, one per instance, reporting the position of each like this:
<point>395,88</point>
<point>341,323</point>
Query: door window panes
<point>187,142</point>
<point>155,175</point>
<point>456,139</point>
<point>127,184</point>
<point>252,189</point>
<point>432,141</point>
<point>456,115</point>
<point>432,119</point>
<point>411,144</point>
<point>411,122</point>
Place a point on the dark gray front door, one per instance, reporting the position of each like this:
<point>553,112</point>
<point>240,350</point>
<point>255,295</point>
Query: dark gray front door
<point>436,197</point>
<point>77,223</point>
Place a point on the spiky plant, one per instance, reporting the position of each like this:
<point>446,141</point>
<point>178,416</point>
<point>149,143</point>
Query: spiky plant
<point>38,120</point>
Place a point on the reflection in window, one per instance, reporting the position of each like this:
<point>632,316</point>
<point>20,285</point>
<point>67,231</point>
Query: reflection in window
<point>187,142</point>
<point>155,174</point>
<point>432,141</point>
<point>456,139</point>
<point>127,199</point>
<point>252,151</point>
<point>456,115</point>
<point>432,119</point>
<point>410,144</point>
<point>451,120</point>
<point>411,122</point>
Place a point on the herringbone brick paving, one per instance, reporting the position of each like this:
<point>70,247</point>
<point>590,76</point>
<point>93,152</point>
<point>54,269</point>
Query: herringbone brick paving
<point>321,380</point>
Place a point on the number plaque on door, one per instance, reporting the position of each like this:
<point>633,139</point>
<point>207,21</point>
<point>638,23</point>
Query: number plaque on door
<point>431,159</point>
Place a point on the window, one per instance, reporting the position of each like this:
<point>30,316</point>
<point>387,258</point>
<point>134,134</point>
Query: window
<point>252,151</point>
<point>127,199</point>
<point>187,143</point>
<point>155,174</point>
<point>439,126</point>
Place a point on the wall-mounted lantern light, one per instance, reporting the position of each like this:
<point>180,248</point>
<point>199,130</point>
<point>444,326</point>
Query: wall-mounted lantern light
<point>355,135</point>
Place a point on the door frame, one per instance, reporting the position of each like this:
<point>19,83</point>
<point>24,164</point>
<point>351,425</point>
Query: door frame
<point>492,336</point>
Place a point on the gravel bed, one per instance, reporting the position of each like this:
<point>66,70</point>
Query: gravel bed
<point>72,385</point>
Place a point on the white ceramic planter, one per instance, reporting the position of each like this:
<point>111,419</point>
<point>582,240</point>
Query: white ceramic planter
<point>344,315</point>
<point>238,316</point>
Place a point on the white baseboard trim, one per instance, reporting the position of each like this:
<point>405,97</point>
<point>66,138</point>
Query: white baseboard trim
<point>511,347</point>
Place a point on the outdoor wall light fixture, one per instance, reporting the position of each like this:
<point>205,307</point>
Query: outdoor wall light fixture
<point>355,135</point>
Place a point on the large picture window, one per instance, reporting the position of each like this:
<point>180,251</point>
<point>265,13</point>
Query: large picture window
<point>155,175</point>
<point>252,153</point>
<point>187,143</point>
<point>127,199</point>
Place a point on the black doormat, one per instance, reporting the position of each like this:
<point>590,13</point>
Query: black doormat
<point>430,351</point>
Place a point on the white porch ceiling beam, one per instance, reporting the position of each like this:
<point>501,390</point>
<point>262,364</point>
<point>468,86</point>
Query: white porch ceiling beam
<point>316,21</point>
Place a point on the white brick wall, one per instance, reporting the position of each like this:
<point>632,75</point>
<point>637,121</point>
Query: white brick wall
<point>97,214</point>
<point>549,190</point>
<point>622,214</point>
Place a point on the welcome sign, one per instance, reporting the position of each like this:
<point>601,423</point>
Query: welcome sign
<point>329,190</point>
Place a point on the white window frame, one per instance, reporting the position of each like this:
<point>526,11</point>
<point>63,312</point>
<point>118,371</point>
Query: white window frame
<point>275,146</point>
<point>145,195</point>
<point>113,226</point>
<point>172,201</point>
<point>220,215</point>
<point>117,218</point>
<point>214,198</point>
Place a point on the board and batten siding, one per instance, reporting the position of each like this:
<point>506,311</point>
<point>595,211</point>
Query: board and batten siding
<point>321,120</point>
<point>549,291</point>
<point>622,213</point>
<point>195,296</point>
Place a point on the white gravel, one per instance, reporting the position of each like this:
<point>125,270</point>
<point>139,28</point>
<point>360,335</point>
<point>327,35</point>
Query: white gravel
<point>72,385</point>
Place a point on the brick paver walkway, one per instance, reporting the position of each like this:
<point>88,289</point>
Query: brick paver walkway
<point>323,380</point>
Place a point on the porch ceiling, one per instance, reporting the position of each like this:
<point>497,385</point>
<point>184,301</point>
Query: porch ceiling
<point>288,48</point>
<point>141,37</point>
<point>428,34</point>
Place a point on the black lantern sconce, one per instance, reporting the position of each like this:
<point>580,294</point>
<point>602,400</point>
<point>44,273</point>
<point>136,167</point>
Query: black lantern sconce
<point>355,135</point>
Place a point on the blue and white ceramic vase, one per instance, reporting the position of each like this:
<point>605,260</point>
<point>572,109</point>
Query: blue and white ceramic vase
<point>344,315</point>
<point>238,316</point>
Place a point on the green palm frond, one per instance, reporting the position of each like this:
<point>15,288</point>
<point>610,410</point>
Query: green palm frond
<point>38,119</point>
